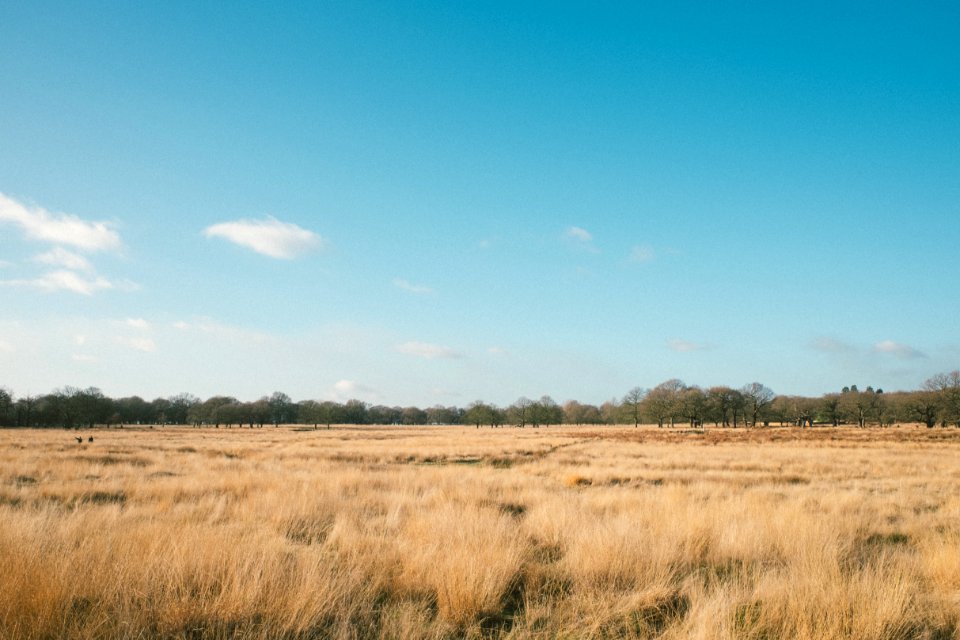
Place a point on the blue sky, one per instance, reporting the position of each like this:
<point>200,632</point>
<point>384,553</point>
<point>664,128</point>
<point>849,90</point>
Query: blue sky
<point>421,203</point>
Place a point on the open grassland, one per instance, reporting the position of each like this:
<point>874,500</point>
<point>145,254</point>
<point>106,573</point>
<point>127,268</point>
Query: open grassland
<point>444,532</point>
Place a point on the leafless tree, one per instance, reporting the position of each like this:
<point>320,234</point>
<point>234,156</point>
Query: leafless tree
<point>758,397</point>
<point>632,404</point>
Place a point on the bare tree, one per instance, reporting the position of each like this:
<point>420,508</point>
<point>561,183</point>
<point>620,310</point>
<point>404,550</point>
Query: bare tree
<point>947,388</point>
<point>758,397</point>
<point>520,411</point>
<point>632,403</point>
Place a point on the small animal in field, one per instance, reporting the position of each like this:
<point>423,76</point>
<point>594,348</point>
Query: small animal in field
<point>90,439</point>
<point>79,439</point>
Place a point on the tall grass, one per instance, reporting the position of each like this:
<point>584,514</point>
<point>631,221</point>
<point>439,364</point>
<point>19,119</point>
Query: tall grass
<point>450,532</point>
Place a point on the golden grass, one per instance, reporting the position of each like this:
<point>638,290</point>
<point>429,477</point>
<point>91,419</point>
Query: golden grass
<point>449,532</point>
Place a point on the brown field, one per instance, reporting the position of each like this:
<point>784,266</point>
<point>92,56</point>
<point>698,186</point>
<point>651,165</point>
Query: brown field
<point>448,532</point>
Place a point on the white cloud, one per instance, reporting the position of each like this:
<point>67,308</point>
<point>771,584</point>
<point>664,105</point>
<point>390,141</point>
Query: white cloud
<point>268,237</point>
<point>181,325</point>
<point>63,280</point>
<point>6,347</point>
<point>139,344</point>
<point>427,350</point>
<point>4,264</point>
<point>345,386</point>
<point>58,228</point>
<point>683,346</point>
<point>642,253</point>
<point>352,390</point>
<point>82,357</point>
<point>902,351</point>
<point>72,271</point>
<point>496,351</point>
<point>412,288</point>
<point>60,257</point>
<point>138,323</point>
<point>80,340</point>
<point>578,233</point>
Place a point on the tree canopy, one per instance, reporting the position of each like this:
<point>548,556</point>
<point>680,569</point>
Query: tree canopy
<point>667,404</point>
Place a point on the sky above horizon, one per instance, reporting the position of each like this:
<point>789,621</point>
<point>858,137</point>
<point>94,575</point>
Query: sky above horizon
<point>433,203</point>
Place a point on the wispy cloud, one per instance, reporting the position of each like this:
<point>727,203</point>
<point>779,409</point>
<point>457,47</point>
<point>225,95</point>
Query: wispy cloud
<point>884,347</point>
<point>138,323</point>
<point>418,289</point>
<point>580,239</point>
<point>496,351</point>
<point>427,350</point>
<point>63,280</point>
<point>683,346</point>
<point>578,233</point>
<point>6,347</point>
<point>269,237</point>
<point>642,253</point>
<point>82,357</point>
<point>60,257</point>
<point>902,351</point>
<point>59,228</point>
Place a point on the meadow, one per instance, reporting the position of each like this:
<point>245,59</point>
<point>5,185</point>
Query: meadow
<point>452,532</point>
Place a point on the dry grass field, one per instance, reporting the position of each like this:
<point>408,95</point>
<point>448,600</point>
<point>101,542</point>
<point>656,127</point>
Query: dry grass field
<point>448,532</point>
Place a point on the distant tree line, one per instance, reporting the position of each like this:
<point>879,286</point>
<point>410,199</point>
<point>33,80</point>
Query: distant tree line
<point>670,403</point>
